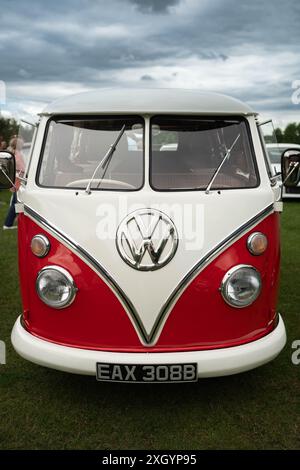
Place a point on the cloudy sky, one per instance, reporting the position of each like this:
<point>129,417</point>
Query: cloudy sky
<point>246,49</point>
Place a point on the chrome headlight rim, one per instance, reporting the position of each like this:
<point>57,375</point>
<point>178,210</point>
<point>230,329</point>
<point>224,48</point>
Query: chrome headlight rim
<point>228,275</point>
<point>70,280</point>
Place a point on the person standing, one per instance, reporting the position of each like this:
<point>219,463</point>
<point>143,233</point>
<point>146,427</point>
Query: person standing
<point>15,147</point>
<point>3,145</point>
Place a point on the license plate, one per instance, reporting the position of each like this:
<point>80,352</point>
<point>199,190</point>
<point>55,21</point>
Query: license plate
<point>146,373</point>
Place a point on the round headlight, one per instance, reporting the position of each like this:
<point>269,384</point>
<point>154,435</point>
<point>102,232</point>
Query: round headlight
<point>40,245</point>
<point>241,286</point>
<point>55,287</point>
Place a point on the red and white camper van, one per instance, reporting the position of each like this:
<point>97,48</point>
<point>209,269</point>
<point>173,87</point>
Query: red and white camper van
<point>149,237</point>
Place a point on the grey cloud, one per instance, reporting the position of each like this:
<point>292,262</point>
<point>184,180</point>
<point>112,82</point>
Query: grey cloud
<point>89,41</point>
<point>154,6</point>
<point>147,78</point>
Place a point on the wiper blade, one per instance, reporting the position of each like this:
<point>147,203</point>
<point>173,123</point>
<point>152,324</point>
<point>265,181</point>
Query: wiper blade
<point>106,159</point>
<point>225,158</point>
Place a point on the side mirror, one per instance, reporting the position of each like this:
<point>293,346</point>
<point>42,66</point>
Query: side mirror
<point>290,167</point>
<point>7,170</point>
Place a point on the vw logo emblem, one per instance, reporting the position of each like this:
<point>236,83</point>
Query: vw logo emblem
<point>147,239</point>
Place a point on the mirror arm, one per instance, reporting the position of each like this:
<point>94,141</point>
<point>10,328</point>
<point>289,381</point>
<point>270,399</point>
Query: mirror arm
<point>7,177</point>
<point>22,178</point>
<point>274,178</point>
<point>296,164</point>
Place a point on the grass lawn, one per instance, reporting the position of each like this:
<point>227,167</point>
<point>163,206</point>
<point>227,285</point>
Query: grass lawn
<point>45,409</point>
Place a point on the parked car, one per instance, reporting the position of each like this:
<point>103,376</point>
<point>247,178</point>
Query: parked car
<point>169,147</point>
<point>145,264</point>
<point>275,152</point>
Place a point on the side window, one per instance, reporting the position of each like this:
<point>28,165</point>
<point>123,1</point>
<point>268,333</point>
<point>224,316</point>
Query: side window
<point>26,135</point>
<point>267,136</point>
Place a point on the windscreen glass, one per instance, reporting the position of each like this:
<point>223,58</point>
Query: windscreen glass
<point>73,149</point>
<point>186,152</point>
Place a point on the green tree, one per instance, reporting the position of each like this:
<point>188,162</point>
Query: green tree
<point>279,135</point>
<point>8,128</point>
<point>292,133</point>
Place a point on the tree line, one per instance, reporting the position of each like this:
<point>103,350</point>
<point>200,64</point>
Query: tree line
<point>10,127</point>
<point>290,135</point>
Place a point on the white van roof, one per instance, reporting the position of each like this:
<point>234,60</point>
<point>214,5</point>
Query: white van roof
<point>148,101</point>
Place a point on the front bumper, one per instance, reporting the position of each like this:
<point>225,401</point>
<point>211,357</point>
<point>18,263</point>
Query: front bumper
<point>211,363</point>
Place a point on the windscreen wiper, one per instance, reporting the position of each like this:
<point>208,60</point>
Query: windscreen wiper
<point>225,158</point>
<point>106,159</point>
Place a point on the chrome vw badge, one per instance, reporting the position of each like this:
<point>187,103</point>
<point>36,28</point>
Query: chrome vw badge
<point>147,239</point>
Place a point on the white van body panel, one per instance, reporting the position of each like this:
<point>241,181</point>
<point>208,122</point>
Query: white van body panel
<point>216,216</point>
<point>77,219</point>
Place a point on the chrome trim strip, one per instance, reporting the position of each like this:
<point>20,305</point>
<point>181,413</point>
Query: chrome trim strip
<point>129,307</point>
<point>166,309</point>
<point>151,339</point>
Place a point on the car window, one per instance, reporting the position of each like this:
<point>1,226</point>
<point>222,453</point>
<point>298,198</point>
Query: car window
<point>74,147</point>
<point>186,151</point>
